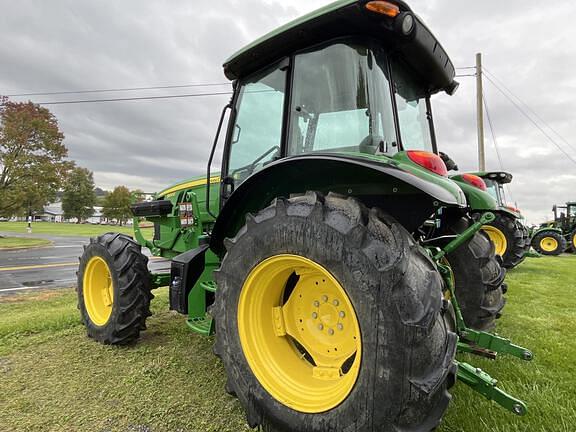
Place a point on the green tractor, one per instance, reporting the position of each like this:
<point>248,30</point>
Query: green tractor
<point>559,235</point>
<point>511,237</point>
<point>332,257</point>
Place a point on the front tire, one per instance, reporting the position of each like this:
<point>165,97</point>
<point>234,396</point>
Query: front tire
<point>114,289</point>
<point>549,243</point>
<point>312,277</point>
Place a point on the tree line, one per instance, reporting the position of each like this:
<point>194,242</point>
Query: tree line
<point>34,169</point>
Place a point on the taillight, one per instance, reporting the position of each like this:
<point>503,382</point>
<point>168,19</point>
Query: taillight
<point>430,161</point>
<point>474,180</point>
<point>514,209</point>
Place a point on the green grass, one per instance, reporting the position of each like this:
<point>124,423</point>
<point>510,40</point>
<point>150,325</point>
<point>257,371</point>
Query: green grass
<point>21,242</point>
<point>69,229</point>
<point>53,378</point>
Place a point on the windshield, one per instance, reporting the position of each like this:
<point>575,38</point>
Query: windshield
<point>341,102</point>
<point>493,188</point>
<point>413,116</point>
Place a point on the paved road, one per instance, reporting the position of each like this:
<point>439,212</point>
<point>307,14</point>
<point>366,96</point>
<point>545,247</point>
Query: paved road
<point>47,267</point>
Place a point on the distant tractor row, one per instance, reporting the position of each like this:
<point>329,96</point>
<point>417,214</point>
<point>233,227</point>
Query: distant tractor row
<point>559,235</point>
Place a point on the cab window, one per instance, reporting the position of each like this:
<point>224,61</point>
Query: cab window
<point>257,131</point>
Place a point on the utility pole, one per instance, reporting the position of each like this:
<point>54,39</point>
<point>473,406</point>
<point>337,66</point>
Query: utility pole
<point>480,114</point>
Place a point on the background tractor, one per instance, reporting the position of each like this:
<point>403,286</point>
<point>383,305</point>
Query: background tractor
<point>509,234</point>
<point>334,260</point>
<point>559,235</point>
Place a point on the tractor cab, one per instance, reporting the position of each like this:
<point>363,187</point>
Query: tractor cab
<point>567,218</point>
<point>338,100</point>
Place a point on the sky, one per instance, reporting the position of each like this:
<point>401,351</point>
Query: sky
<point>67,45</point>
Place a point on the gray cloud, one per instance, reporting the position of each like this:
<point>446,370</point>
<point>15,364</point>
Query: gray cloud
<point>70,44</point>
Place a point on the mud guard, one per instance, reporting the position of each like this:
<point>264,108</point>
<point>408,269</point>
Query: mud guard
<point>382,182</point>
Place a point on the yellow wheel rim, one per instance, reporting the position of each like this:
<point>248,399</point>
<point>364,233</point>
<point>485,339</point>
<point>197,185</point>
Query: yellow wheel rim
<point>299,333</point>
<point>98,291</point>
<point>549,244</point>
<point>498,238</point>
<point>574,240</point>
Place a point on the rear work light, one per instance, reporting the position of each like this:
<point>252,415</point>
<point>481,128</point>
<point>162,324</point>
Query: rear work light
<point>384,8</point>
<point>430,161</point>
<point>474,180</point>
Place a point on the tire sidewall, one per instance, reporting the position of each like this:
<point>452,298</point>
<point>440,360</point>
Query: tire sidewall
<point>94,330</point>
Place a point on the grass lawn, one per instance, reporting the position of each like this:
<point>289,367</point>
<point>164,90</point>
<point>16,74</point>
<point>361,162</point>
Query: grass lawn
<point>69,229</point>
<point>21,242</point>
<point>53,378</point>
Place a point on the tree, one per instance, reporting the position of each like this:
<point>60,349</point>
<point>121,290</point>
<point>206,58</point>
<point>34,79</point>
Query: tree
<point>78,197</point>
<point>32,165</point>
<point>117,205</point>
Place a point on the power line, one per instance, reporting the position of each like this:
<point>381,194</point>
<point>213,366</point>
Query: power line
<point>530,109</point>
<point>116,89</point>
<point>132,98</point>
<point>508,187</point>
<point>492,132</point>
<point>531,120</point>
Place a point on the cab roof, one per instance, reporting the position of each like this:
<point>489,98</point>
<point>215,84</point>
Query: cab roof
<point>349,18</point>
<point>498,176</point>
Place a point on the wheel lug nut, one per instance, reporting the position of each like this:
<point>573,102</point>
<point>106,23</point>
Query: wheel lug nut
<point>316,303</point>
<point>342,314</point>
<point>314,315</point>
<point>330,332</point>
<point>340,327</point>
<point>320,327</point>
<point>325,298</point>
<point>335,302</point>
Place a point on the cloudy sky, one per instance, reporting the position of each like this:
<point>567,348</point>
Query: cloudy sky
<point>64,45</point>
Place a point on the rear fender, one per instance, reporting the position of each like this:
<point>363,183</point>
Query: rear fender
<point>478,200</point>
<point>410,196</point>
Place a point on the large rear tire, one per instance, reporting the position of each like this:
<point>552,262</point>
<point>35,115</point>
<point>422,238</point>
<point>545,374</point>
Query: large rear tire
<point>549,243</point>
<point>114,289</point>
<point>478,279</point>
<point>508,238</point>
<point>329,317</point>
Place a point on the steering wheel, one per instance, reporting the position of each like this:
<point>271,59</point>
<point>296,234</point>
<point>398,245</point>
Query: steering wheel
<point>252,166</point>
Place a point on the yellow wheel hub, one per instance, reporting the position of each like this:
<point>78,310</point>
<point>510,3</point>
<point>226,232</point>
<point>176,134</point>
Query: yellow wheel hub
<point>299,333</point>
<point>549,244</point>
<point>498,238</point>
<point>98,291</point>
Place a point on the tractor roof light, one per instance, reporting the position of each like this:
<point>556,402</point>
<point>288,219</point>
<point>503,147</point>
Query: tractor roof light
<point>384,8</point>
<point>474,180</point>
<point>430,161</point>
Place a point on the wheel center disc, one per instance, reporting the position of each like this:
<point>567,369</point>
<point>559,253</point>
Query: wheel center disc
<point>98,290</point>
<point>328,315</point>
<point>299,333</point>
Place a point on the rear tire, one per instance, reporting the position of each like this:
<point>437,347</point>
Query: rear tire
<point>406,347</point>
<point>549,243</point>
<point>478,279</point>
<point>573,241</point>
<point>114,289</point>
<point>508,237</point>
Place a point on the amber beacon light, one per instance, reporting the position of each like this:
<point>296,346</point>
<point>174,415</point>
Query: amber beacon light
<point>384,8</point>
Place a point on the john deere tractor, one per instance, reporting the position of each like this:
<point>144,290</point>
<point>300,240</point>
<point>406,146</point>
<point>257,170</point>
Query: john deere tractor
<point>559,235</point>
<point>507,231</point>
<point>330,253</point>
